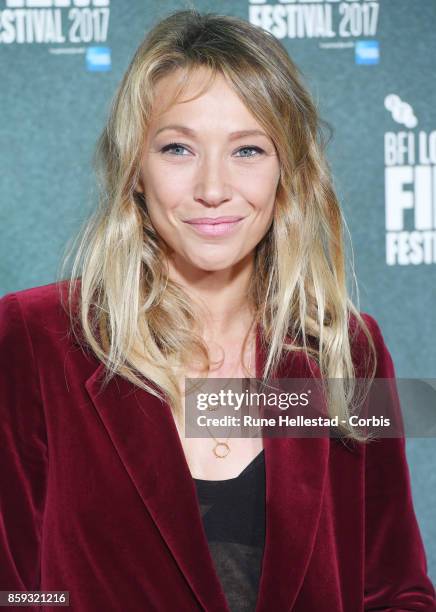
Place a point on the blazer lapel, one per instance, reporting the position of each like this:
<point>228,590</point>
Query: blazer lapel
<point>296,470</point>
<point>144,435</point>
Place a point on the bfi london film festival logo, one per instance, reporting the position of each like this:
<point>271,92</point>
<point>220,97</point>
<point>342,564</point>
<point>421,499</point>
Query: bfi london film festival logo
<point>410,188</point>
<point>330,19</point>
<point>54,21</point>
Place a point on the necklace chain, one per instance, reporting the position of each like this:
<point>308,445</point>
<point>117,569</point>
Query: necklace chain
<point>222,449</point>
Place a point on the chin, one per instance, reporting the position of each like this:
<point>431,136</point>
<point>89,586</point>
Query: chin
<point>211,266</point>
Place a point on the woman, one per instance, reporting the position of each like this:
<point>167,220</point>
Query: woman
<point>216,251</point>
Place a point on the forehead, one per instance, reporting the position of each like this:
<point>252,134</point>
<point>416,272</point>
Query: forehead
<point>182,87</point>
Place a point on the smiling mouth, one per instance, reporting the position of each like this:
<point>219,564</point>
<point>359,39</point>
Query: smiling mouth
<point>215,227</point>
<point>214,220</point>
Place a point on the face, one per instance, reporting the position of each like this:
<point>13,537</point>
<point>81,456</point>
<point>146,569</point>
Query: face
<point>210,190</point>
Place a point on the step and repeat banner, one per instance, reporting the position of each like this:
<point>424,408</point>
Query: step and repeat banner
<point>371,69</point>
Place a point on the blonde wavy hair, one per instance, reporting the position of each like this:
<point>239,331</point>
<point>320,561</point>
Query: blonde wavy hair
<point>130,314</point>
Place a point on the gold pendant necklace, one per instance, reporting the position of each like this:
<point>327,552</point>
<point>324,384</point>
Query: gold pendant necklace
<point>222,454</point>
<point>222,449</point>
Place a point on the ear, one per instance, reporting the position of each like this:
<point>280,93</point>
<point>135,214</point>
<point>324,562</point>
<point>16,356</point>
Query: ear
<point>139,186</point>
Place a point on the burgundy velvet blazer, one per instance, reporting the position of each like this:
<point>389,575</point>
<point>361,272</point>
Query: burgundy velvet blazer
<point>97,499</point>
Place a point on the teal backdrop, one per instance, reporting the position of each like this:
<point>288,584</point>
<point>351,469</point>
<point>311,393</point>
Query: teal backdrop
<point>370,66</point>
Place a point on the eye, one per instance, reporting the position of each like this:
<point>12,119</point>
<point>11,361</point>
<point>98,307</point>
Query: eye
<point>172,145</point>
<point>257,149</point>
<point>176,145</point>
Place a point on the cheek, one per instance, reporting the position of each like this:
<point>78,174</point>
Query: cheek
<point>260,185</point>
<point>161,199</point>
<point>262,198</point>
<point>160,185</point>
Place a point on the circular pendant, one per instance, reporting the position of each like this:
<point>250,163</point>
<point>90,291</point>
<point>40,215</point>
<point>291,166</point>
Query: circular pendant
<point>225,450</point>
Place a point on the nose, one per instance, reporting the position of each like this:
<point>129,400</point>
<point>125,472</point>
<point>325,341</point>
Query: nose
<point>212,186</point>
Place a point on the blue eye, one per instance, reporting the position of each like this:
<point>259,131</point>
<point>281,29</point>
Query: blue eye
<point>176,145</point>
<point>172,145</point>
<point>258,149</point>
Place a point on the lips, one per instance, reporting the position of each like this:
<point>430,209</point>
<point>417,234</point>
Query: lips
<point>215,227</point>
<point>213,220</point>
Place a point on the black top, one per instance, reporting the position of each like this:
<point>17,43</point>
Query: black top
<point>233,514</point>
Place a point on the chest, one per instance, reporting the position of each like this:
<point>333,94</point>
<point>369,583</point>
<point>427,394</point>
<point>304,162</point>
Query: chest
<point>212,457</point>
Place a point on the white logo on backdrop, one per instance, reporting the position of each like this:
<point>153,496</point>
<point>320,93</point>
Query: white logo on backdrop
<point>54,21</point>
<point>401,111</point>
<point>345,20</point>
<point>410,189</point>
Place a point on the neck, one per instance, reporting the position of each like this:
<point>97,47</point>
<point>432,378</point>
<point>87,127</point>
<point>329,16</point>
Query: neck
<point>219,297</point>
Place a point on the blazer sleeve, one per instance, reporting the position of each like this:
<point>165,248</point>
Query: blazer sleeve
<point>395,561</point>
<point>23,454</point>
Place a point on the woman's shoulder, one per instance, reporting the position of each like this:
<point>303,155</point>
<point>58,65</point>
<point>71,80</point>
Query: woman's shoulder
<point>360,332</point>
<point>37,303</point>
<point>361,349</point>
<point>39,311</point>
<point>356,327</point>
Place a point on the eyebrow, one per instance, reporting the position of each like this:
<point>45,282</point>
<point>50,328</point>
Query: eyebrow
<point>233,135</point>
